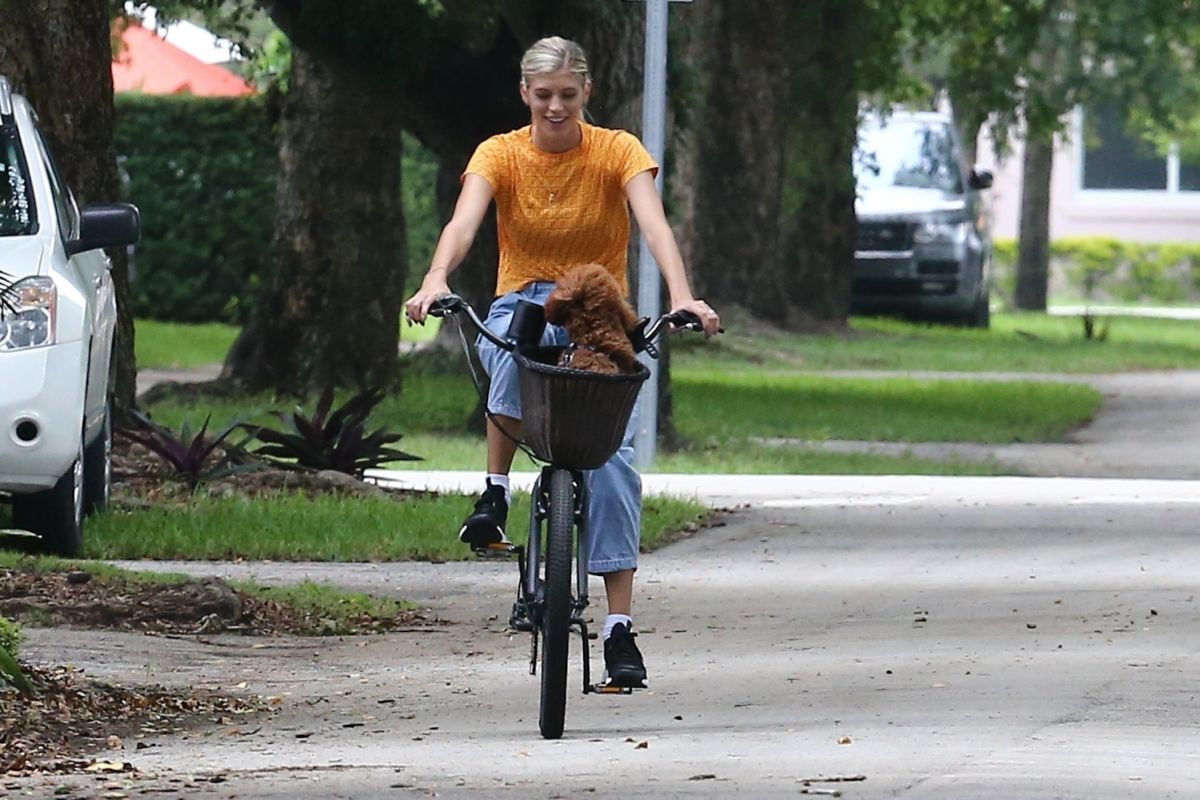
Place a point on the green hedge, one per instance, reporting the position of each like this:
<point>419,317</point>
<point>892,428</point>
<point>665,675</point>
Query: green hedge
<point>202,171</point>
<point>1109,270</point>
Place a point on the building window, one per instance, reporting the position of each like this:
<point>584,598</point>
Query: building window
<point>1114,160</point>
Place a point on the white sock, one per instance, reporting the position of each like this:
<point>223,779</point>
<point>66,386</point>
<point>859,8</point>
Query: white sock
<point>501,480</point>
<point>611,621</point>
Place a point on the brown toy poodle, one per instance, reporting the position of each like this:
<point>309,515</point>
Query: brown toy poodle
<point>588,303</point>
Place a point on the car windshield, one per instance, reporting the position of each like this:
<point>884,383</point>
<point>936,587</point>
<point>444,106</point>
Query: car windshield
<point>16,201</point>
<point>916,154</point>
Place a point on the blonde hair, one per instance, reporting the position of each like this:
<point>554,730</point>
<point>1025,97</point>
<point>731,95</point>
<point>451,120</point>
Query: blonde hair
<point>554,54</point>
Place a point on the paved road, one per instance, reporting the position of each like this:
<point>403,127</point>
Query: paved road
<point>940,638</point>
<point>936,637</point>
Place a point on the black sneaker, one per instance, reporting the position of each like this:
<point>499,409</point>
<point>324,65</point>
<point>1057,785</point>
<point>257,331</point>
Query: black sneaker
<point>519,619</point>
<point>622,660</point>
<point>486,526</point>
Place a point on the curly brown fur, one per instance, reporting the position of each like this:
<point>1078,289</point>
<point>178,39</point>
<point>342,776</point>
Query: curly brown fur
<point>589,360</point>
<point>587,302</point>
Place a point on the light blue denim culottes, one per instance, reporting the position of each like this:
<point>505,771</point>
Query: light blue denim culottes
<point>614,512</point>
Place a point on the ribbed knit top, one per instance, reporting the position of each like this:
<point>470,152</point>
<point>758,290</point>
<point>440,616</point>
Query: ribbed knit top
<point>555,211</point>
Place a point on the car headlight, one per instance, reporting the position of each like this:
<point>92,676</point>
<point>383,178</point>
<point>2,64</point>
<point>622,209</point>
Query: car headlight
<point>940,233</point>
<point>31,322</point>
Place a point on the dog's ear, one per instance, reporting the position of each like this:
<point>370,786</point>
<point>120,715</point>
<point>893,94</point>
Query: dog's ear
<point>555,308</point>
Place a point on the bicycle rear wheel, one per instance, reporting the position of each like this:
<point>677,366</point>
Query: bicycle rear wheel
<point>556,616</point>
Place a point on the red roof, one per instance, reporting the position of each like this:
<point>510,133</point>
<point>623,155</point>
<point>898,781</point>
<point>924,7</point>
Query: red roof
<point>147,63</point>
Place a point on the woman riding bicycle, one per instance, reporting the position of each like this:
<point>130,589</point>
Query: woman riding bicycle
<point>563,190</point>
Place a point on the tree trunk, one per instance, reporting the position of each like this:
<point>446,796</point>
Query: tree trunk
<point>1033,256</point>
<point>817,218</point>
<point>57,53</point>
<point>329,313</point>
<point>774,224</point>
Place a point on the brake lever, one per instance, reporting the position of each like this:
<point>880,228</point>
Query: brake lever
<point>446,304</point>
<point>637,337</point>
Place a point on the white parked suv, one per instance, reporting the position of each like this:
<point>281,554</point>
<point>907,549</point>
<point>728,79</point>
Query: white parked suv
<point>57,319</point>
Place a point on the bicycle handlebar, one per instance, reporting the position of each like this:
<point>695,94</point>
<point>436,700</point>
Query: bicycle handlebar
<point>642,336</point>
<point>453,304</point>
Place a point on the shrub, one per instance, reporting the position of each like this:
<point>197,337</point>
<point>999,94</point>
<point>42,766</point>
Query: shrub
<point>10,636</point>
<point>202,171</point>
<point>1103,269</point>
<point>10,670</point>
<point>189,453</point>
<point>331,439</point>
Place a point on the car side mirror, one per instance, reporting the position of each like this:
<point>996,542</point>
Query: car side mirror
<point>106,225</point>
<point>980,178</point>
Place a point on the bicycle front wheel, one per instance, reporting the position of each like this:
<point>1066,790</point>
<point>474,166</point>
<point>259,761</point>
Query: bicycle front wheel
<point>556,616</point>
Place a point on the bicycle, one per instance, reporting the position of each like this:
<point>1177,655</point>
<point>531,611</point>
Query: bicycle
<point>573,421</point>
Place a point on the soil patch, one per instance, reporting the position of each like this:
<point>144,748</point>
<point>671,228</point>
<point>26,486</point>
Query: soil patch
<point>142,480</point>
<point>204,605</point>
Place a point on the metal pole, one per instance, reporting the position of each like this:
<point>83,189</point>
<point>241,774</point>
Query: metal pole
<point>654,105</point>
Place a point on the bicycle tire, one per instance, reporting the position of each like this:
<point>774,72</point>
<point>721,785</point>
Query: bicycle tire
<point>556,615</point>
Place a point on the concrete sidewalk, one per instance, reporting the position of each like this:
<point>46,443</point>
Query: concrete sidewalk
<point>853,490</point>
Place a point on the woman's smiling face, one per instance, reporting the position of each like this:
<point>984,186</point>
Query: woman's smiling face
<point>556,102</point>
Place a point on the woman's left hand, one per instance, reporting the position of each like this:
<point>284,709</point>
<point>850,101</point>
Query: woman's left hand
<point>707,314</point>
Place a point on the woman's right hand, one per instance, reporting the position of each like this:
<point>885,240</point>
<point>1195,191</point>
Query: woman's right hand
<point>417,307</point>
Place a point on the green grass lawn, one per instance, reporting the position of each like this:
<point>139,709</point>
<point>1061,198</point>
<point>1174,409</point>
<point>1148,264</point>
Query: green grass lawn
<point>723,415</point>
<point>755,383</point>
<point>297,528</point>
<point>176,345</point>
<point>1015,343</point>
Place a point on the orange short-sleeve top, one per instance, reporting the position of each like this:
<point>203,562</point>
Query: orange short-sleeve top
<point>558,210</point>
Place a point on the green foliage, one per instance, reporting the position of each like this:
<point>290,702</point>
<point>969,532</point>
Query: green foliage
<point>189,453</point>
<point>1027,62</point>
<point>272,62</point>
<point>419,172</point>
<point>10,636</point>
<point>293,527</point>
<point>1104,269</point>
<point>333,439</point>
<point>202,170</point>
<point>10,670</point>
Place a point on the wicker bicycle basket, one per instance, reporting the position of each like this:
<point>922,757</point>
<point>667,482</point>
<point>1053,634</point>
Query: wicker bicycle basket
<point>572,418</point>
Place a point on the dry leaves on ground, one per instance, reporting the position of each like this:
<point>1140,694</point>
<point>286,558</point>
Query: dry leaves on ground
<point>69,714</point>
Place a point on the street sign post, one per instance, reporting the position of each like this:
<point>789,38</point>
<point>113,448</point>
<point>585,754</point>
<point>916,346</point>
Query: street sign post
<point>654,105</point>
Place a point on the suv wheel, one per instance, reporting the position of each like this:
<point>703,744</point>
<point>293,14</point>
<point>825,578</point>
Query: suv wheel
<point>56,515</point>
<point>97,468</point>
<point>981,315</point>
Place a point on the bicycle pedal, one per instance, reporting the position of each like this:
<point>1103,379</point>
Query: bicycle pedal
<point>495,550</point>
<point>519,619</point>
<point>609,688</point>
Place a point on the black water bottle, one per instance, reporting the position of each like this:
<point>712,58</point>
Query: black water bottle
<point>527,323</point>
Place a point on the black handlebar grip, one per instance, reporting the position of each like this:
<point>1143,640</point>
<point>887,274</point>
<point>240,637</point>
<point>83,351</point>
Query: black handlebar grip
<point>446,304</point>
